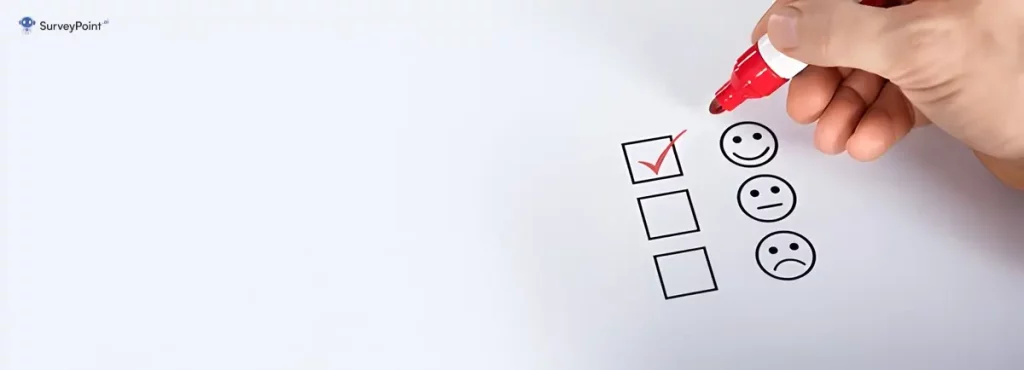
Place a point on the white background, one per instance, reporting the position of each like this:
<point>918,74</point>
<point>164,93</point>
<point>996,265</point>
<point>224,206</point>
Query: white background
<point>440,185</point>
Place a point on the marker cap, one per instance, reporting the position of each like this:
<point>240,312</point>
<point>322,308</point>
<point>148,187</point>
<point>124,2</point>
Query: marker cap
<point>758,73</point>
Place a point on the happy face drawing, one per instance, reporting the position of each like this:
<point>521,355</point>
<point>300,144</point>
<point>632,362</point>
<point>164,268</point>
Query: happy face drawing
<point>749,144</point>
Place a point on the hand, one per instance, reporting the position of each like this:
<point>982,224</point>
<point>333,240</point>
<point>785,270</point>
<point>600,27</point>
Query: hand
<point>877,73</point>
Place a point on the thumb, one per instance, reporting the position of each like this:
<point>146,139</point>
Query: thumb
<point>836,33</point>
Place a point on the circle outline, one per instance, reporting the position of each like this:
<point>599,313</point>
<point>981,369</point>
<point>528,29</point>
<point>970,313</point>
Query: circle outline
<point>739,198</point>
<point>814,254</point>
<point>775,141</point>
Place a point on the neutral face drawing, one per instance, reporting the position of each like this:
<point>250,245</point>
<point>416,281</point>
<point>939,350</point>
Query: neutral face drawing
<point>749,144</point>
<point>785,255</point>
<point>766,198</point>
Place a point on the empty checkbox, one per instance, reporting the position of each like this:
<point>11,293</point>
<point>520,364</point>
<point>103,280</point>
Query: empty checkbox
<point>685,273</point>
<point>668,214</point>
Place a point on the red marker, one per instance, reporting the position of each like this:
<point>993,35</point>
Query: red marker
<point>762,69</point>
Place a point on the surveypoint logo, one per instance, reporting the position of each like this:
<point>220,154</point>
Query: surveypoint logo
<point>27,23</point>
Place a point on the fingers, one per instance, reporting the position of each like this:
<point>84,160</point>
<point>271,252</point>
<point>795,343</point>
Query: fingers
<point>810,91</point>
<point>884,124</point>
<point>762,25</point>
<point>861,114</point>
<point>856,110</point>
<point>836,33</point>
<point>761,28</point>
<point>840,118</point>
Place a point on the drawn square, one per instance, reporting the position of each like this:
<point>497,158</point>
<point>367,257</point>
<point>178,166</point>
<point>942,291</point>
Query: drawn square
<point>649,151</point>
<point>668,214</point>
<point>685,273</point>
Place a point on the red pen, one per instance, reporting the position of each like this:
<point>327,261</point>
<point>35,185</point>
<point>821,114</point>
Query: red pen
<point>762,69</point>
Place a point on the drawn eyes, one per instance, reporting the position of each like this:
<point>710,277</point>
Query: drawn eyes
<point>773,189</point>
<point>737,139</point>
<point>792,247</point>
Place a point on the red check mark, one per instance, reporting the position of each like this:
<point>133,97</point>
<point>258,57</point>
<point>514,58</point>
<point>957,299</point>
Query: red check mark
<point>661,158</point>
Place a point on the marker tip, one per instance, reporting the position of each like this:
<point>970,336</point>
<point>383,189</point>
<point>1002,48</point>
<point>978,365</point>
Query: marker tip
<point>715,108</point>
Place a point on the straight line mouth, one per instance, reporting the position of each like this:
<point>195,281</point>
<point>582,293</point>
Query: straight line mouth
<point>770,206</point>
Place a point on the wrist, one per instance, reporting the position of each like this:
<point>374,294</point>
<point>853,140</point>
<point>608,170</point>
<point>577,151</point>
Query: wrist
<point>1009,171</point>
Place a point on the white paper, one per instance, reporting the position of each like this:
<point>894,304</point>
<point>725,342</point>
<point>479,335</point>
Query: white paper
<point>443,185</point>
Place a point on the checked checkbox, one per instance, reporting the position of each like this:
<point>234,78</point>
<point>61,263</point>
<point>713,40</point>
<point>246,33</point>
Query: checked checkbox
<point>653,159</point>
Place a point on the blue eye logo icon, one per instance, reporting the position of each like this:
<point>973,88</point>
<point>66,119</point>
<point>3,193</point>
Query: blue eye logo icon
<point>26,24</point>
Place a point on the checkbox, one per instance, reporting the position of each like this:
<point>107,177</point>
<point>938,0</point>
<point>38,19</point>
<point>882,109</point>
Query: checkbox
<point>652,159</point>
<point>668,214</point>
<point>685,273</point>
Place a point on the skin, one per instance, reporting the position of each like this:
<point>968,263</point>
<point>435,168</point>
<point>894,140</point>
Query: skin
<point>878,73</point>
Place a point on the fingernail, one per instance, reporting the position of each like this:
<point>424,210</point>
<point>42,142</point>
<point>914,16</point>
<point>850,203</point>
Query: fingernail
<point>782,28</point>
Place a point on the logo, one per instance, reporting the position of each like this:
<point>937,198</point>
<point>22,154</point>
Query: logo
<point>26,24</point>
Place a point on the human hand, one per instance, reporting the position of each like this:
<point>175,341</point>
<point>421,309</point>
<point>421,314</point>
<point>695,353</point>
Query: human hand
<point>877,73</point>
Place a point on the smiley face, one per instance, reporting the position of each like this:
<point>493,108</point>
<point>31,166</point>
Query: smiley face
<point>766,198</point>
<point>749,144</point>
<point>785,255</point>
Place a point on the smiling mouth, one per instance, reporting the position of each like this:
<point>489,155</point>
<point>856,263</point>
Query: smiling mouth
<point>788,260</point>
<point>751,158</point>
<point>770,206</point>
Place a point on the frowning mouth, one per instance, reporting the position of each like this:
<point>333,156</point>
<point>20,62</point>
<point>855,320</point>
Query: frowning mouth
<point>751,158</point>
<point>770,206</point>
<point>788,260</point>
